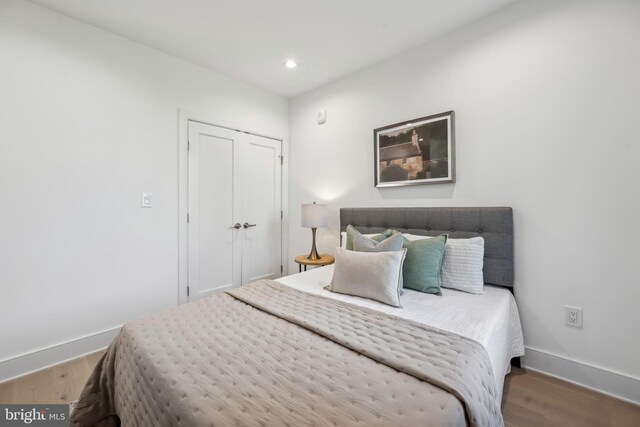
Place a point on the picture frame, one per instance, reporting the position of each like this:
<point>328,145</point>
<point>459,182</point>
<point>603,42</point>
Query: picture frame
<point>415,152</point>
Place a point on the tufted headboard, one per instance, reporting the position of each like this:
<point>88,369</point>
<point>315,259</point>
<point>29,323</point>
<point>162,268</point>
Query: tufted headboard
<point>494,224</point>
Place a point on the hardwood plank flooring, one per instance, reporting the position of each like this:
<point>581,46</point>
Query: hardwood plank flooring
<point>533,399</point>
<point>530,399</point>
<point>58,384</point>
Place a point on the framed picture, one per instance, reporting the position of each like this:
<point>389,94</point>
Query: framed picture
<point>419,151</point>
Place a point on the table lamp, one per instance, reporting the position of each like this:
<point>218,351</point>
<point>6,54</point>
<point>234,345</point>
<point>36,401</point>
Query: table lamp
<point>314,216</point>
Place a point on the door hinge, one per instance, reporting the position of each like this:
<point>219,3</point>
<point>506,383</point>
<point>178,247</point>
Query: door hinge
<point>188,145</point>
<point>281,160</point>
<point>187,291</point>
<point>187,218</point>
<point>281,214</point>
<point>281,268</point>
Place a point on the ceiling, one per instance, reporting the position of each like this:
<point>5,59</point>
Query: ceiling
<point>251,39</point>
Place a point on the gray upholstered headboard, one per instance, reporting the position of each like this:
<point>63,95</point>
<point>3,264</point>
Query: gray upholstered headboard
<point>494,224</point>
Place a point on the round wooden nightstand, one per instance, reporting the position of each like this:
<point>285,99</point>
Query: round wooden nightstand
<point>325,259</point>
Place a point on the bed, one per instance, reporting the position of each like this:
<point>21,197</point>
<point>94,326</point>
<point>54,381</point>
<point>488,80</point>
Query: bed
<point>289,352</point>
<point>490,319</point>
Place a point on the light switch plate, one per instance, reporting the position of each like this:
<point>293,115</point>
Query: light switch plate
<point>145,200</point>
<point>322,117</point>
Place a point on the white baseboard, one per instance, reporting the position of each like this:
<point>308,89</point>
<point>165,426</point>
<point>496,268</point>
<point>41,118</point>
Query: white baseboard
<point>620,386</point>
<point>36,360</point>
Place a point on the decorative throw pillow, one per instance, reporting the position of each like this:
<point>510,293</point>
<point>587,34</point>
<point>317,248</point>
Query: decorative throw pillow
<point>352,232</point>
<point>361,243</point>
<point>343,238</point>
<point>373,275</point>
<point>422,264</point>
<point>463,263</point>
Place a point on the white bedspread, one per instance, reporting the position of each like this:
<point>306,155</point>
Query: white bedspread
<point>491,318</point>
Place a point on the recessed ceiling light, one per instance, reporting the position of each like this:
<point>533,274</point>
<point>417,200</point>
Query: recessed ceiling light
<point>291,64</point>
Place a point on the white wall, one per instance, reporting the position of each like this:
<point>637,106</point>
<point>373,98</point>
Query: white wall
<point>547,101</point>
<point>88,121</point>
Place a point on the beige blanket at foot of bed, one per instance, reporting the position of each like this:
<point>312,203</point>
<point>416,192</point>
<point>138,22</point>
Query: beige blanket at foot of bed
<point>268,355</point>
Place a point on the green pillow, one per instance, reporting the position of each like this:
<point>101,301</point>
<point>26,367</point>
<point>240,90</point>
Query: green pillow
<point>351,234</point>
<point>421,270</point>
<point>362,243</point>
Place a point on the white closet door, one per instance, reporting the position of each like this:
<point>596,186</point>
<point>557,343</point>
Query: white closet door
<point>214,246</point>
<point>261,246</point>
<point>235,227</point>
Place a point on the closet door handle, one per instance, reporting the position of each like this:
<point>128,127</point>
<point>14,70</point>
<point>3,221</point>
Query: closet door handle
<point>247,225</point>
<point>236,226</point>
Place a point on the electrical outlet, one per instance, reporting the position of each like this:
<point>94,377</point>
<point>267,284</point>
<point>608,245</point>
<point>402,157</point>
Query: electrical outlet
<point>573,316</point>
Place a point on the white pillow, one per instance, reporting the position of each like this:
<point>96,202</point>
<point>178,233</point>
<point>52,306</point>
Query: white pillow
<point>462,264</point>
<point>373,275</point>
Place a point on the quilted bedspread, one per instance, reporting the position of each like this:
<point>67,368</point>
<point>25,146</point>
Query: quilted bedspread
<point>269,355</point>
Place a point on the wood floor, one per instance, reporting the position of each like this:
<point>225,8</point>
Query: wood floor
<point>533,399</point>
<point>59,384</point>
<point>530,399</point>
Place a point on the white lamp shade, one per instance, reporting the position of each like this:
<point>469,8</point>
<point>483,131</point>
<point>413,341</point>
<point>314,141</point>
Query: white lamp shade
<point>314,215</point>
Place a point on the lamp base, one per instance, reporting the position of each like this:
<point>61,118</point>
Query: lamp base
<point>313,255</point>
